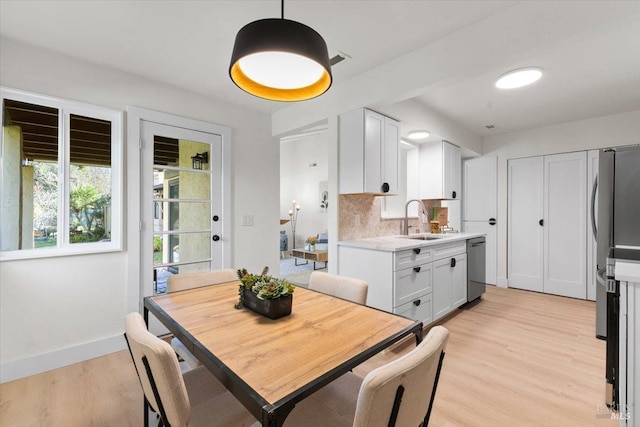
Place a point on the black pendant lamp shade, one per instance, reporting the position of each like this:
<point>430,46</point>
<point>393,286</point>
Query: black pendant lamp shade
<point>280,60</point>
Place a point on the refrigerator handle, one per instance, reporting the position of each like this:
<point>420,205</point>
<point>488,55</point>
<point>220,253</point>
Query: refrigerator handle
<point>593,208</point>
<point>600,276</point>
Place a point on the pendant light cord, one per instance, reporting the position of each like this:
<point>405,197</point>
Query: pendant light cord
<point>282,9</point>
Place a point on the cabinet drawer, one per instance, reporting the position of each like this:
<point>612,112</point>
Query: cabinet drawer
<point>411,283</point>
<point>450,249</point>
<point>418,309</point>
<point>412,258</point>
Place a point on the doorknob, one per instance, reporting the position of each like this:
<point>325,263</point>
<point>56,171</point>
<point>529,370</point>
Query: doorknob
<point>417,269</point>
<point>541,222</point>
<point>492,221</point>
<point>453,262</point>
<point>215,238</point>
<point>215,218</point>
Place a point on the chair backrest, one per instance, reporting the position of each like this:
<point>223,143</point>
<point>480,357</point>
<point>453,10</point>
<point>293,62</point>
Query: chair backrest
<point>348,288</point>
<point>184,281</point>
<point>160,371</point>
<point>414,376</point>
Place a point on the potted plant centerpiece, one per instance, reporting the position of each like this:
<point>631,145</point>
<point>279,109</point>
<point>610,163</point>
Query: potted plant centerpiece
<point>312,241</point>
<point>264,294</point>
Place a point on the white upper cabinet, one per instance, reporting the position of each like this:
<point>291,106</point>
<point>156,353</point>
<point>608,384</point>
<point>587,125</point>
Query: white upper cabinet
<point>439,171</point>
<point>368,153</point>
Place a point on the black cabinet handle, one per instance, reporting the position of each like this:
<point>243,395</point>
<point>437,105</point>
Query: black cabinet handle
<point>385,187</point>
<point>417,269</point>
<point>454,195</point>
<point>492,221</point>
<point>215,238</point>
<point>453,262</point>
<point>416,251</point>
<point>541,222</point>
<point>417,302</point>
<point>216,218</point>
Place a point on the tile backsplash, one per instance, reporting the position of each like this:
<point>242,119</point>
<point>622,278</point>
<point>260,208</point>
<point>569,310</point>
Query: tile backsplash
<point>360,218</point>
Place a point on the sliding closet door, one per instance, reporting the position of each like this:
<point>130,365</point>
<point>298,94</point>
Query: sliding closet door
<point>565,224</point>
<point>524,230</point>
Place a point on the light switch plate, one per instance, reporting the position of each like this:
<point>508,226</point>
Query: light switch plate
<point>247,220</point>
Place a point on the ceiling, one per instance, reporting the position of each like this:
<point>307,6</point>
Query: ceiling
<point>590,70</point>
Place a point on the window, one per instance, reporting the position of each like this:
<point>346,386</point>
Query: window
<point>60,188</point>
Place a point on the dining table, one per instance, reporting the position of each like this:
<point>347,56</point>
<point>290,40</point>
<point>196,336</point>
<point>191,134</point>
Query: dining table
<point>270,365</point>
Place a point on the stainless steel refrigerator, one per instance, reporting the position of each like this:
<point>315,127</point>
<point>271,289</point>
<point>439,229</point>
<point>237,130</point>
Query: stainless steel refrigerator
<point>617,234</point>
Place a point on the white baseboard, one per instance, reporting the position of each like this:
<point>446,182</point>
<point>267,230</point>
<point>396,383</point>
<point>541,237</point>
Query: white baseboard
<point>503,282</point>
<point>32,365</point>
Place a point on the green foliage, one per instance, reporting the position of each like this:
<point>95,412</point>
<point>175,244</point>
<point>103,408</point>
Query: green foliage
<point>263,285</point>
<point>157,244</point>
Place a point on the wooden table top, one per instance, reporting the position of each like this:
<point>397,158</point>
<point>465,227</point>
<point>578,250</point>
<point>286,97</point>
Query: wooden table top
<point>279,357</point>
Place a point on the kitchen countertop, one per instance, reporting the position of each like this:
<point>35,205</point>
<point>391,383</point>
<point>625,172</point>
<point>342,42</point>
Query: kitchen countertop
<point>400,243</point>
<point>627,264</point>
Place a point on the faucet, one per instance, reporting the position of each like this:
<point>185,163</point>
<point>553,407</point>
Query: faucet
<point>406,214</point>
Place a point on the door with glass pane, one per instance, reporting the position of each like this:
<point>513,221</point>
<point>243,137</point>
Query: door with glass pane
<point>181,200</point>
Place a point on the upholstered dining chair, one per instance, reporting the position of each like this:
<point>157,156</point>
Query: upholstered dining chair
<point>354,290</point>
<point>182,282</point>
<point>400,393</point>
<point>196,398</point>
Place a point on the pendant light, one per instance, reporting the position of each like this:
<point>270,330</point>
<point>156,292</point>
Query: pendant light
<point>280,60</point>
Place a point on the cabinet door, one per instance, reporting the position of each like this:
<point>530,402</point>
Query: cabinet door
<point>525,232</point>
<point>459,281</point>
<point>373,134</point>
<point>418,309</point>
<point>565,228</point>
<point>451,172</point>
<point>441,287</point>
<point>390,157</point>
<point>480,177</point>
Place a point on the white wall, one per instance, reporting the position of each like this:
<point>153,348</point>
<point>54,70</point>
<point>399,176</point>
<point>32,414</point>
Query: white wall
<point>300,181</point>
<point>61,310</point>
<point>601,132</point>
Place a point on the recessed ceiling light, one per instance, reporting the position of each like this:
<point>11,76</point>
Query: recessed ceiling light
<point>518,78</point>
<point>419,134</point>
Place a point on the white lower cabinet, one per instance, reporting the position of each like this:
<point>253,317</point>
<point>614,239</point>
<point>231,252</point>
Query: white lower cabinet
<point>449,283</point>
<point>409,282</point>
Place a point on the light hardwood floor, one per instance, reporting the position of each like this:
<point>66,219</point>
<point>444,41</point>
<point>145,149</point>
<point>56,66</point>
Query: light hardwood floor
<point>516,358</point>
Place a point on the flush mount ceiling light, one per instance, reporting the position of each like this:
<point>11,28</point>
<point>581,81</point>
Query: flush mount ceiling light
<point>419,134</point>
<point>518,78</point>
<point>280,60</point>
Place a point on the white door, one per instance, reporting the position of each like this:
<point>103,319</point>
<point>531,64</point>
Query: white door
<point>181,203</point>
<point>565,228</point>
<point>524,223</point>
<point>480,206</point>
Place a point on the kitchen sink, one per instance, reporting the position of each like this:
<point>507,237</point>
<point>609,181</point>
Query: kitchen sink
<point>423,237</point>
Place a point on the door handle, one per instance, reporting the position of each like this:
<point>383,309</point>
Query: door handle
<point>492,221</point>
<point>417,302</point>
<point>215,238</point>
<point>593,208</point>
<point>215,218</point>
<point>454,195</point>
<point>453,262</point>
<point>416,269</point>
<point>385,187</point>
<point>416,251</point>
<point>541,222</point>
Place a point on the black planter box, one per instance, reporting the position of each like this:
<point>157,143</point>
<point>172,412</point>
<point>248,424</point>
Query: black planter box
<point>271,308</point>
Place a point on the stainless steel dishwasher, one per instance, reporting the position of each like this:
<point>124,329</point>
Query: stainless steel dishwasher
<point>476,264</point>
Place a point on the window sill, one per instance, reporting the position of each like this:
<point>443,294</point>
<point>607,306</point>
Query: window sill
<point>84,249</point>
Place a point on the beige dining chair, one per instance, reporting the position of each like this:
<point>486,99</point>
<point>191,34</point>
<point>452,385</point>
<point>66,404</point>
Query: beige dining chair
<point>182,282</point>
<point>354,290</point>
<point>196,398</point>
<point>400,393</point>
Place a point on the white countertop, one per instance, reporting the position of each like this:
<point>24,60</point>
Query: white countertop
<point>628,271</point>
<point>399,243</point>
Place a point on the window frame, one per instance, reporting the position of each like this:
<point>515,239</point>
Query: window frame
<point>66,108</point>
